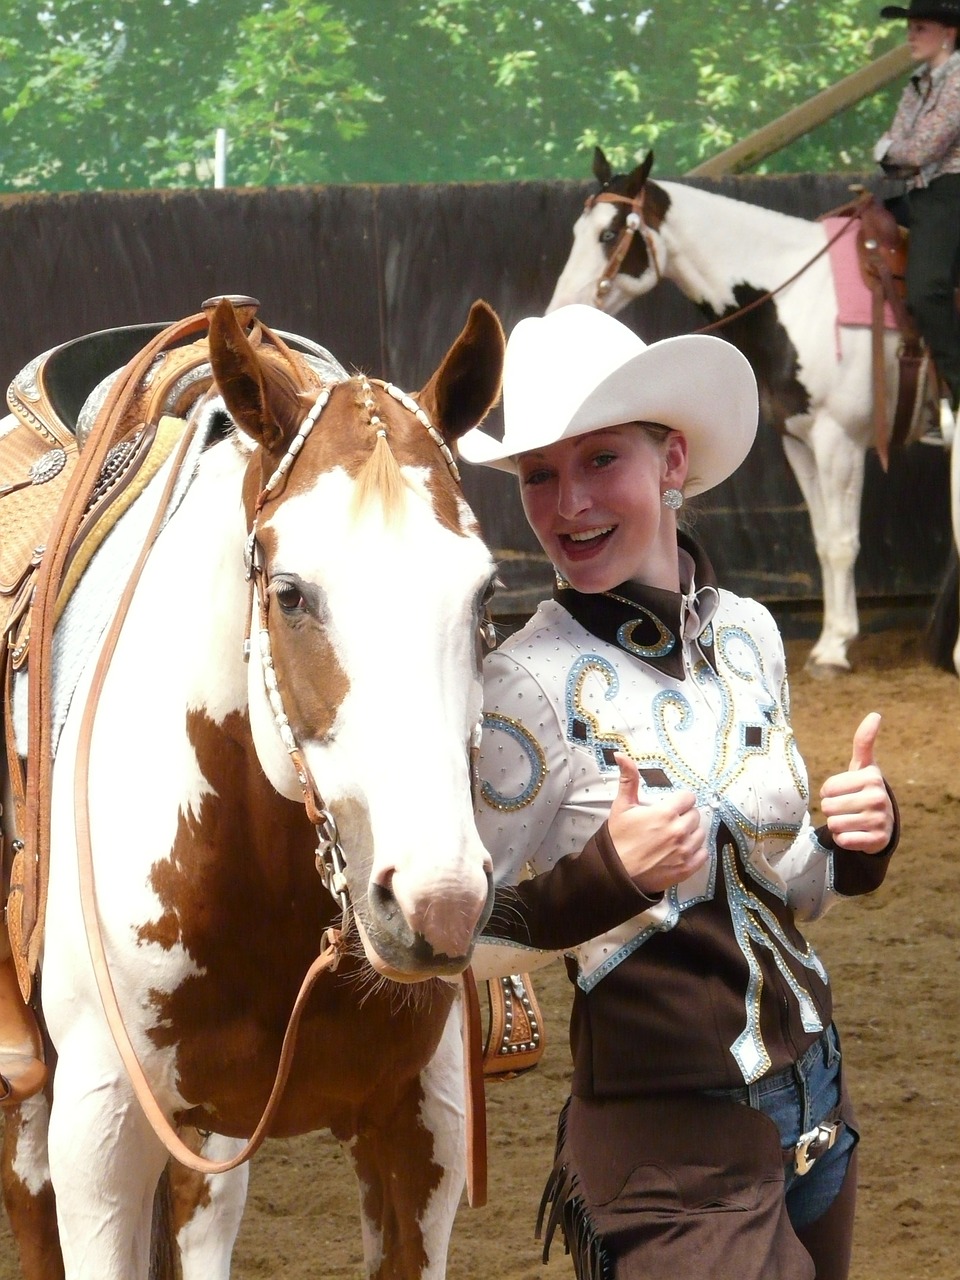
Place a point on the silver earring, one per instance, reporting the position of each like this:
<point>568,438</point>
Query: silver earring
<point>673,499</point>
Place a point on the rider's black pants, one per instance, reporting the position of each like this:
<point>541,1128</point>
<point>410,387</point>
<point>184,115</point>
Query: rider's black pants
<point>933,270</point>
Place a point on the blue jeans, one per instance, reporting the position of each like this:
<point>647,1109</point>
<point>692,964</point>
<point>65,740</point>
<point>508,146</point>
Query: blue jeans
<point>797,1099</point>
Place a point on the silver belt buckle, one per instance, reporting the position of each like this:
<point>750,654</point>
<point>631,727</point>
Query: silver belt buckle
<point>811,1146</point>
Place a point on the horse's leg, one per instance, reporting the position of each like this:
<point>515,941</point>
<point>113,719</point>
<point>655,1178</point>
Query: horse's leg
<point>829,470</point>
<point>207,1210</point>
<point>105,1162</point>
<point>28,1191</point>
<point>407,1219</point>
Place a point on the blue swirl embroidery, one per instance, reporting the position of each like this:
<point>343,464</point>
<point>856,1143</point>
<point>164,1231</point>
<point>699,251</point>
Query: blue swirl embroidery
<point>583,727</point>
<point>665,643</point>
<point>534,754</point>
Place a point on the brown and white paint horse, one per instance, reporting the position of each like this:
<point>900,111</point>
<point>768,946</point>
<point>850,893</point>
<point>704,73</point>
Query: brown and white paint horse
<point>209,902</point>
<point>724,255</point>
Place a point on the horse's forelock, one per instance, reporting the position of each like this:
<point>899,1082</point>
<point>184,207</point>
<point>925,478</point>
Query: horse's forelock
<point>380,477</point>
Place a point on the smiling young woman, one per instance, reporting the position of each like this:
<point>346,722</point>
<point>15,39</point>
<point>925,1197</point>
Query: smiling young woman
<point>648,816</point>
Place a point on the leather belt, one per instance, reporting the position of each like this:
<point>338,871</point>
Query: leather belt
<point>811,1146</point>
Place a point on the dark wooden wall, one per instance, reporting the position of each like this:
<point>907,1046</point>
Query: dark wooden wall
<point>384,277</point>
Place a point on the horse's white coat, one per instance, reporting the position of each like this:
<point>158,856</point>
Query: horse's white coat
<point>709,243</point>
<point>443,1116</point>
<point>104,1158</point>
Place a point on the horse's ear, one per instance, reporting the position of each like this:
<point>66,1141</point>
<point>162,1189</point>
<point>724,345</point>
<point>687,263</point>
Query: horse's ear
<point>601,168</point>
<point>258,400</point>
<point>637,178</point>
<point>467,383</point>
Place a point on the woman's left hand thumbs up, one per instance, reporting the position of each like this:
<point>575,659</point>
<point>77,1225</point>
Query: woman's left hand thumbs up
<point>856,804</point>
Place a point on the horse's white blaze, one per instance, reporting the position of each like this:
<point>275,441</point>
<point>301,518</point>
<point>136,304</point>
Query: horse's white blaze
<point>413,699</point>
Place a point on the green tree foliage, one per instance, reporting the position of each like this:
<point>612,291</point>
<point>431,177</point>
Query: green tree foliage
<point>129,93</point>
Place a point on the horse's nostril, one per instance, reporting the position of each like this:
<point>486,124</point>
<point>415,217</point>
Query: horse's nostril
<point>384,903</point>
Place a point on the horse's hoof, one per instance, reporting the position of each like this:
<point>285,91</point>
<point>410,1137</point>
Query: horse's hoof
<point>825,670</point>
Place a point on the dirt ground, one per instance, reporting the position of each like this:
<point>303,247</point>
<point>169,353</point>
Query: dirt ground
<point>893,960</point>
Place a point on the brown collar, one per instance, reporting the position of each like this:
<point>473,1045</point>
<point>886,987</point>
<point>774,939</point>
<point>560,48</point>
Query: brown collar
<point>647,622</point>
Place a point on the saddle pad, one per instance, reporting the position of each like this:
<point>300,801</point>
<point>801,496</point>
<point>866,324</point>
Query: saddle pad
<point>33,478</point>
<point>169,430</point>
<point>88,599</point>
<point>854,299</point>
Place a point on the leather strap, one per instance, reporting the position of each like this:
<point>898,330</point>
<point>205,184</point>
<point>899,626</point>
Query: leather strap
<point>883,289</point>
<point>878,377</point>
<point>327,959</point>
<point>766,297</point>
<point>476,1112</point>
<point>27,928</point>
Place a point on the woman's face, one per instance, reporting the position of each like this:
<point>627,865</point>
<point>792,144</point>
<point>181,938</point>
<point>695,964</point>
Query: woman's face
<point>595,504</point>
<point>926,40</point>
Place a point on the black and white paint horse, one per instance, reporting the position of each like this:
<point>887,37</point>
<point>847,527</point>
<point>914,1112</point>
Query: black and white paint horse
<point>724,254</point>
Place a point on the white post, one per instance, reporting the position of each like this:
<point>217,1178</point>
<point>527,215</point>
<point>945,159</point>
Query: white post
<point>220,159</point>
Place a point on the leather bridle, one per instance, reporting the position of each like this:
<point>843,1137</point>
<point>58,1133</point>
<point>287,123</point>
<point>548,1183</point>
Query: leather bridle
<point>634,224</point>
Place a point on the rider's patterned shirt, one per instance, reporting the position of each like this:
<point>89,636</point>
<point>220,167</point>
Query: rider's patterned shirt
<point>925,134</point>
<point>712,985</point>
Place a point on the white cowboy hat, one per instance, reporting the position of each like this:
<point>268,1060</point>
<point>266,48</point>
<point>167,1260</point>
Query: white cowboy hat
<point>578,369</point>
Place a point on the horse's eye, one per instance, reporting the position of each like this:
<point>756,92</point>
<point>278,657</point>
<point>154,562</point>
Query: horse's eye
<point>490,590</point>
<point>289,597</point>
<point>607,236</point>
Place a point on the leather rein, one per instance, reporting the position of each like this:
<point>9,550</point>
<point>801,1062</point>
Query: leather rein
<point>635,223</point>
<point>329,855</point>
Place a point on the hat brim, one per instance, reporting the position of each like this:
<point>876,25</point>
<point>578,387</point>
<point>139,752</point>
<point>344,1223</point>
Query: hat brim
<point>697,384</point>
<point>924,13</point>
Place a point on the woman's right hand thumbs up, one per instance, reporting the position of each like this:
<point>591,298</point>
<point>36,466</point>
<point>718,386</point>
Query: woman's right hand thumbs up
<point>660,844</point>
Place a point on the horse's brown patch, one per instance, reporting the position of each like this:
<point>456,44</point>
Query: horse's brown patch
<point>33,1216</point>
<point>189,1191</point>
<point>311,681</point>
<point>253,923</point>
<point>375,1157</point>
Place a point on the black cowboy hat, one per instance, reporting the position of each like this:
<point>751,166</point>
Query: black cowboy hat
<point>946,12</point>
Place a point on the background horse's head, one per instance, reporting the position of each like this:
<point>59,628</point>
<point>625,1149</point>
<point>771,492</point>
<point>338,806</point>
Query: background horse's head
<point>371,580</point>
<point>617,252</point>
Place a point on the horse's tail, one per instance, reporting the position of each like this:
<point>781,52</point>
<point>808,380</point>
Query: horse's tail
<point>163,1249</point>
<point>945,620</point>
